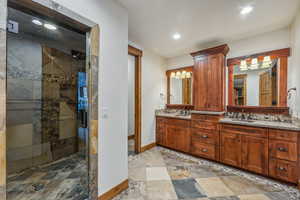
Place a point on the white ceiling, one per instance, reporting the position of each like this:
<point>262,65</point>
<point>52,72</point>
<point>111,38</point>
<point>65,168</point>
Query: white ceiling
<point>202,23</point>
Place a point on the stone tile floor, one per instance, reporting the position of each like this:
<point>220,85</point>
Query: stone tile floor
<point>61,180</point>
<point>131,151</point>
<point>162,174</point>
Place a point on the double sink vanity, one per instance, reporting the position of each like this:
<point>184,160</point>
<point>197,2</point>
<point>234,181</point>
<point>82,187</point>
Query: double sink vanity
<point>251,133</point>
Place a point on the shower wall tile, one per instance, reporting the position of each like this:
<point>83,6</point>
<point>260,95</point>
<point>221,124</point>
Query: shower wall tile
<point>18,89</point>
<point>3,17</point>
<point>95,33</point>
<point>3,14</point>
<point>94,84</point>
<point>93,123</point>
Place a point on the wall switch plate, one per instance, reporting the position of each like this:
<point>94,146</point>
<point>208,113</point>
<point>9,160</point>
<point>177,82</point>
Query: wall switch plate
<point>104,112</point>
<point>13,26</point>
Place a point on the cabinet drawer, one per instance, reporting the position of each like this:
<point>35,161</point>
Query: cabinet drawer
<point>204,150</point>
<point>204,125</point>
<point>205,117</point>
<point>283,150</point>
<point>204,136</point>
<point>283,170</point>
<point>245,130</point>
<point>283,135</point>
<point>178,122</point>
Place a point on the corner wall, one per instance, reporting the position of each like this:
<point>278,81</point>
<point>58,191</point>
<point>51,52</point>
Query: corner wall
<point>294,70</point>
<point>113,21</point>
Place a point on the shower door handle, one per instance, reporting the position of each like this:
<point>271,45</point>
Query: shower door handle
<point>84,119</point>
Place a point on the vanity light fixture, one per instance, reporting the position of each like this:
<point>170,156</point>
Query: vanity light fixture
<point>183,74</point>
<point>188,75</point>
<point>50,27</point>
<point>246,10</point>
<point>267,62</point>
<point>173,75</point>
<point>37,22</point>
<point>243,66</point>
<point>254,63</point>
<point>178,75</point>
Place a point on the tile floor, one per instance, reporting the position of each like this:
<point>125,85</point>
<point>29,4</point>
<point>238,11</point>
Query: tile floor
<point>162,174</point>
<point>131,151</point>
<point>65,179</point>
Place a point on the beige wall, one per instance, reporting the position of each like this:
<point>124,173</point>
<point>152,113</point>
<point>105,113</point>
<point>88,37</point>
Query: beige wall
<point>294,69</point>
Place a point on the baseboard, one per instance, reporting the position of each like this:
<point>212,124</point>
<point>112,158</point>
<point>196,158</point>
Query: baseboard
<point>114,191</point>
<point>147,147</point>
<point>130,137</point>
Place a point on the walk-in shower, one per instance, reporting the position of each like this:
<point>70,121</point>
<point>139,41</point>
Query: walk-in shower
<point>47,110</point>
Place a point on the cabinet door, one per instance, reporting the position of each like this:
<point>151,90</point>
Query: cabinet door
<point>255,154</point>
<point>200,81</point>
<point>178,138</point>
<point>215,76</point>
<point>160,131</point>
<point>231,147</point>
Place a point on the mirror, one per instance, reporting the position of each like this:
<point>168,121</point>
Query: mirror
<point>256,87</point>
<point>181,91</point>
<point>180,86</point>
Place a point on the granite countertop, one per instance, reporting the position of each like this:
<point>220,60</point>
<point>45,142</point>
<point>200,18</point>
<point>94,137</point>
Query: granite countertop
<point>263,124</point>
<point>207,112</point>
<point>174,115</point>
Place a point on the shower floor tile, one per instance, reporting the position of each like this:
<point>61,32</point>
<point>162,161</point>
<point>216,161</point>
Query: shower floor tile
<point>63,179</point>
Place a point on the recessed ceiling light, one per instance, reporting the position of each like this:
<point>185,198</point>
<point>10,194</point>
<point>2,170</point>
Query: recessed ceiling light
<point>50,26</point>
<point>176,36</point>
<point>37,22</point>
<point>246,10</point>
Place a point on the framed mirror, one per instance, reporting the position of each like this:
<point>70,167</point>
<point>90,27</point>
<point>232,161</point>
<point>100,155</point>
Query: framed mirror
<point>258,81</point>
<point>179,87</point>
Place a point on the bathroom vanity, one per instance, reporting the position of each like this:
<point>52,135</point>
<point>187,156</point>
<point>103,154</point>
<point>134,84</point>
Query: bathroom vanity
<point>254,132</point>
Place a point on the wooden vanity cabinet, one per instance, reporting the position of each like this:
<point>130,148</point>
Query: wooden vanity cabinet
<point>173,133</point>
<point>209,79</point>
<point>245,147</point>
<point>284,155</point>
<point>205,139</point>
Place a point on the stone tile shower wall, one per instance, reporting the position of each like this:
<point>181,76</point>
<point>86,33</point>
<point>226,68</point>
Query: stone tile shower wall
<point>3,16</point>
<point>41,104</point>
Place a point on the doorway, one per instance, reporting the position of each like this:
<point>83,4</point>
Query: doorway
<point>46,110</point>
<point>50,105</point>
<point>135,100</point>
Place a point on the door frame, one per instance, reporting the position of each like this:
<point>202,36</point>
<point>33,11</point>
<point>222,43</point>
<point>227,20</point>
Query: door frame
<point>54,12</point>
<point>137,53</point>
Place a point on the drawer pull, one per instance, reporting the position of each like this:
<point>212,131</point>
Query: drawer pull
<point>204,136</point>
<point>282,149</point>
<point>281,169</point>
<point>204,150</point>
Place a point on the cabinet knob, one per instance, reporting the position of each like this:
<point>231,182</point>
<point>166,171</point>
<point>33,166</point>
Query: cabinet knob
<point>281,169</point>
<point>204,136</point>
<point>282,149</point>
<point>204,150</point>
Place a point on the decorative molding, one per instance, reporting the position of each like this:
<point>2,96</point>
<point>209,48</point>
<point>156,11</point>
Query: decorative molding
<point>114,191</point>
<point>138,96</point>
<point>131,137</point>
<point>258,109</point>
<point>134,51</point>
<point>223,49</point>
<point>274,54</point>
<point>148,147</point>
